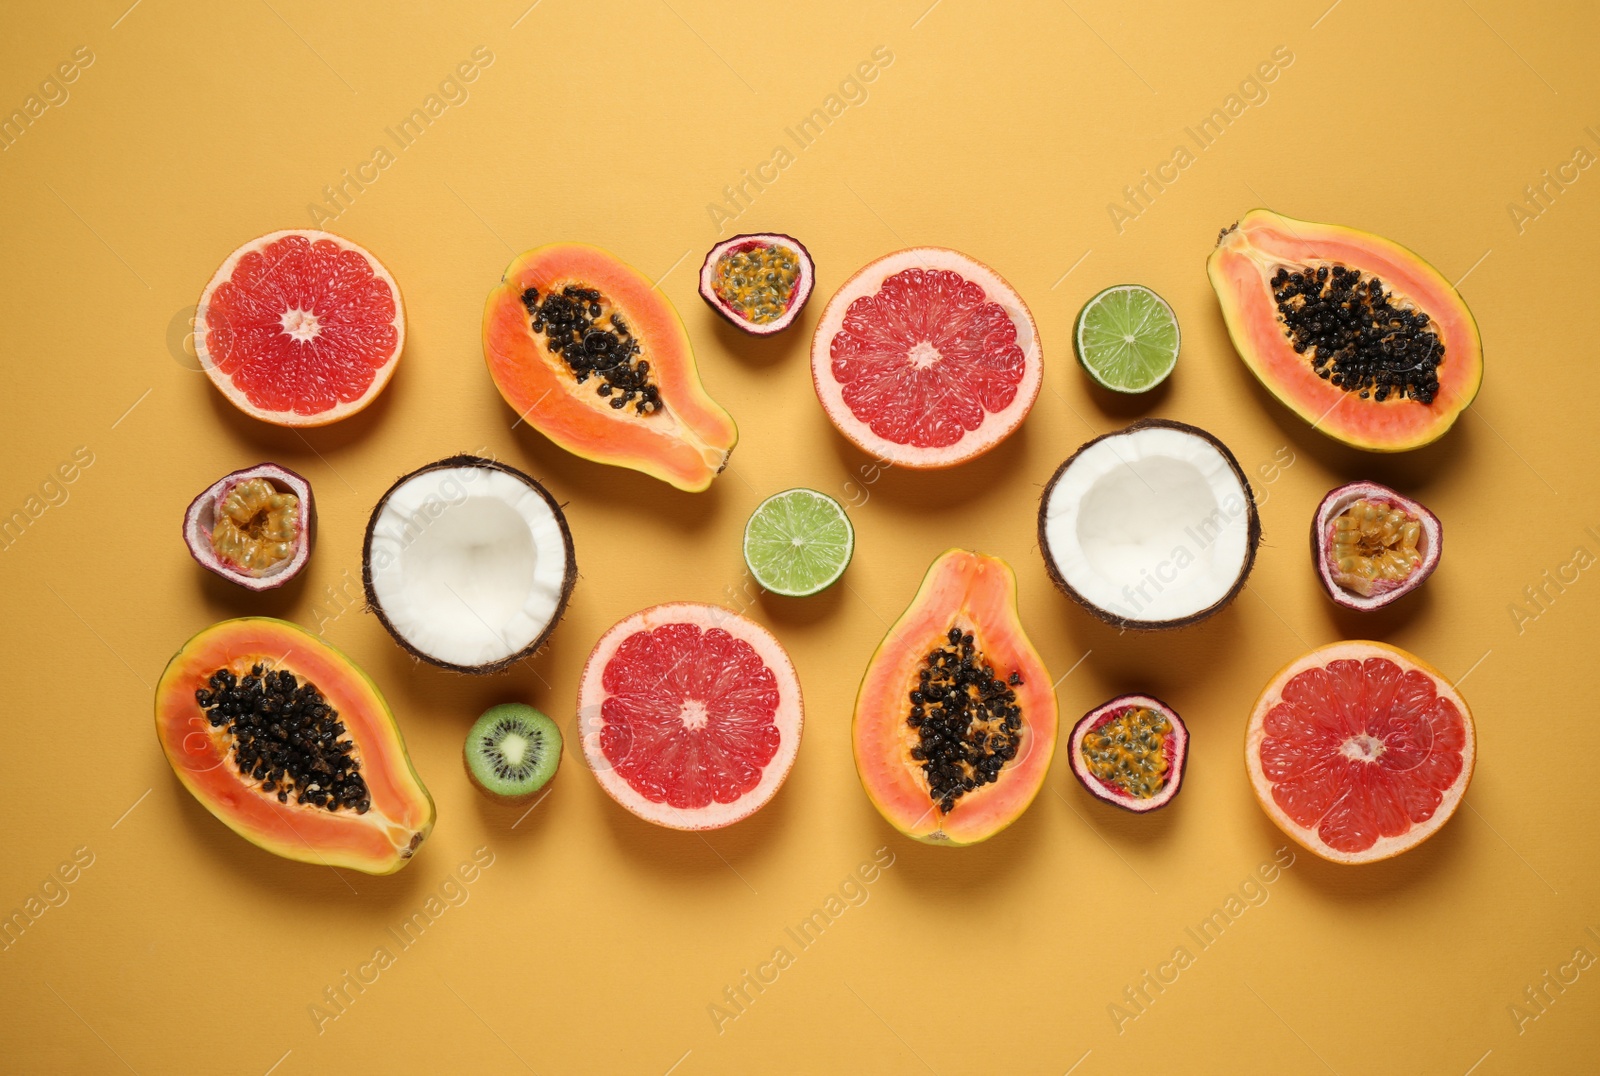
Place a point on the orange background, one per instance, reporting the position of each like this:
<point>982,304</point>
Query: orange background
<point>591,941</point>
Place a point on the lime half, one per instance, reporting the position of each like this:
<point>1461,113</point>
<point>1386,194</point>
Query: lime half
<point>1127,338</point>
<point>798,542</point>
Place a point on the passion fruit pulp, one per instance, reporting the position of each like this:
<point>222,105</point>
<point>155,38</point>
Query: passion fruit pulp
<point>1372,546</point>
<point>253,527</point>
<point>759,282</point>
<point>1131,752</point>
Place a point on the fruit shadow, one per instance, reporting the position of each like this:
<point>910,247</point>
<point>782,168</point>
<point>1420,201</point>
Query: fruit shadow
<point>760,351</point>
<point>411,683</point>
<point>523,822</point>
<point>700,856</point>
<point>1412,470</point>
<point>974,869</point>
<point>1128,406</point>
<point>647,497</point>
<point>304,443</point>
<point>1114,825</point>
<point>223,599</point>
<point>802,612</point>
<point>920,491</point>
<point>1362,885</point>
<point>1381,623</point>
<point>292,884</point>
<point>1159,662</point>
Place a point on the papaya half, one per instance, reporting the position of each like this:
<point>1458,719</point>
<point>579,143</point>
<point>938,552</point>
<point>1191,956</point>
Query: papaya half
<point>290,744</point>
<point>594,356</point>
<point>955,722</point>
<point>1353,332</point>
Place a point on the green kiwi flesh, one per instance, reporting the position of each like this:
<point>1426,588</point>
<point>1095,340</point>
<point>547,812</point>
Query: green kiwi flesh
<point>512,752</point>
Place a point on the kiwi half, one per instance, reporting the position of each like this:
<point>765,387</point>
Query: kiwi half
<point>512,751</point>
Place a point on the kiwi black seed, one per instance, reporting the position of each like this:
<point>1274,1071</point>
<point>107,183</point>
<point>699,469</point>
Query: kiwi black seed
<point>512,751</point>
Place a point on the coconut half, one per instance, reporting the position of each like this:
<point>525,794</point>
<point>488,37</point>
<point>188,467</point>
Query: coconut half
<point>468,563</point>
<point>1153,526</point>
<point>1430,545</point>
<point>200,520</point>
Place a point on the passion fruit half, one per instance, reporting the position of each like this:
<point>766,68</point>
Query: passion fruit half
<point>1131,752</point>
<point>759,282</point>
<point>1372,546</point>
<point>253,527</point>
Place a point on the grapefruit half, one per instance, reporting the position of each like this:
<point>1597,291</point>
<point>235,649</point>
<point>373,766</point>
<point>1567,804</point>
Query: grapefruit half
<point>926,358</point>
<point>689,715</point>
<point>300,328</point>
<point>1360,751</point>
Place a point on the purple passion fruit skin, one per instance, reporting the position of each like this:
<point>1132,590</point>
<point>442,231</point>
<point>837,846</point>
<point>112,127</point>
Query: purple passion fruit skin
<point>1371,545</point>
<point>254,527</point>
<point>1130,752</point>
<point>758,282</point>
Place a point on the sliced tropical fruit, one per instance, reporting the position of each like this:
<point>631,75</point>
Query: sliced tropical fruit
<point>955,721</point>
<point>690,715</point>
<point>926,358</point>
<point>1127,338</point>
<point>1151,527</point>
<point>254,527</point>
<point>1131,752</point>
<point>290,744</point>
<point>798,542</point>
<point>468,563</point>
<point>1372,546</point>
<point>512,752</point>
<point>300,328</point>
<point>1360,751</point>
<point>1354,333</point>
<point>758,282</point>
<point>594,357</point>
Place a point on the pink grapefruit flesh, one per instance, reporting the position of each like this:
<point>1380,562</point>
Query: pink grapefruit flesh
<point>926,358</point>
<point>1360,751</point>
<point>300,328</point>
<point>690,715</point>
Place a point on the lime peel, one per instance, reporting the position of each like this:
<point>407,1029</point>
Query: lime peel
<point>798,542</point>
<point>1127,338</point>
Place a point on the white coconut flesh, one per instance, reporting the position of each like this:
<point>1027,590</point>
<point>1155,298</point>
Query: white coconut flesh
<point>1151,525</point>
<point>468,564</point>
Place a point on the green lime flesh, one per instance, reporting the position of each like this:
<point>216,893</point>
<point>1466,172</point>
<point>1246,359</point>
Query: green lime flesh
<point>512,751</point>
<point>798,542</point>
<point>1127,338</point>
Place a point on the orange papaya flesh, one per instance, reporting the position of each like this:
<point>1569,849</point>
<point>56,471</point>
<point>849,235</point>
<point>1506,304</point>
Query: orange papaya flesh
<point>1242,268</point>
<point>683,437</point>
<point>399,813</point>
<point>976,595</point>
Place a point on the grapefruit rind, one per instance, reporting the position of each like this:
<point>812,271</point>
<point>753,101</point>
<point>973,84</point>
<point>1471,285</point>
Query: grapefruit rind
<point>979,593</point>
<point>237,396</point>
<point>1384,847</point>
<point>996,426</point>
<point>1240,269</point>
<point>789,716</point>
